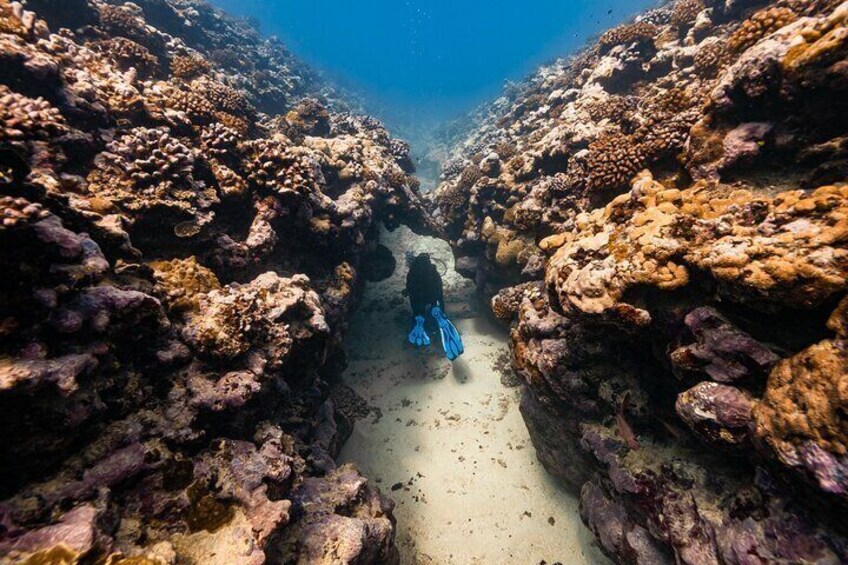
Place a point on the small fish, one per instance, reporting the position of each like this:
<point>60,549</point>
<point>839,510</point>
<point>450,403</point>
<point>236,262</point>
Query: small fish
<point>624,429</point>
<point>676,432</point>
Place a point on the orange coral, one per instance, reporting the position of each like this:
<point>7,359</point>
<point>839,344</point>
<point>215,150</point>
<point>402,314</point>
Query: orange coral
<point>189,66</point>
<point>181,281</point>
<point>801,418</point>
<point>685,12</point>
<point>710,58</point>
<point>18,211</point>
<point>759,25</point>
<point>628,33</point>
<point>126,54</point>
<point>612,161</point>
<point>10,21</point>
<point>653,235</point>
<point>23,118</point>
<point>506,303</point>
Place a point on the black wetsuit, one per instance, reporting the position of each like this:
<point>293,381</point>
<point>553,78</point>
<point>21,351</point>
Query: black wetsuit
<point>424,286</point>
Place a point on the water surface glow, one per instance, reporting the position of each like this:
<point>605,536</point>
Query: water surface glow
<point>432,59</point>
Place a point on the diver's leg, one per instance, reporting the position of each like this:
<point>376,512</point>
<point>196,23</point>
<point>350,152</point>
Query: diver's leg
<point>451,340</point>
<point>418,335</point>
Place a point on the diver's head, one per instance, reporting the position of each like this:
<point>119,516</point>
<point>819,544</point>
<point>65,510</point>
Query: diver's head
<point>421,259</point>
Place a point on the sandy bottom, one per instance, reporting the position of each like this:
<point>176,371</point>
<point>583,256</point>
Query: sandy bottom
<point>447,442</point>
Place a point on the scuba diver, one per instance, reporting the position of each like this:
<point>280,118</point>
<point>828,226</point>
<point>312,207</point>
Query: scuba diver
<point>426,296</point>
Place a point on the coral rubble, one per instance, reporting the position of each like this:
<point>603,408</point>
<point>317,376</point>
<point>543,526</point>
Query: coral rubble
<point>664,220</point>
<point>188,214</point>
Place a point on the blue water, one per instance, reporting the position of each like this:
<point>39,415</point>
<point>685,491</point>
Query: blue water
<point>430,60</point>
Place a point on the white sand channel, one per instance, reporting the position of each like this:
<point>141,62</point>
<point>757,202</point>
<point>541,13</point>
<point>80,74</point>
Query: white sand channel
<point>450,445</point>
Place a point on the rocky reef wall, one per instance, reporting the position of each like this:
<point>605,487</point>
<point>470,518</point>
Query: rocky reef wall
<point>663,219</point>
<point>188,216</point>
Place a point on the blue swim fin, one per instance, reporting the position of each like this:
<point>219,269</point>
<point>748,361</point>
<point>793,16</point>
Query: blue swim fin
<point>451,340</point>
<point>418,335</point>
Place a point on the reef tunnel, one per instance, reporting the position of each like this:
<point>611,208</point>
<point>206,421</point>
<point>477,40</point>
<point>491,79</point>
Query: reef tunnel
<point>203,329</point>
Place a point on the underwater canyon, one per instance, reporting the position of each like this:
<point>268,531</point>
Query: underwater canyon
<point>203,352</point>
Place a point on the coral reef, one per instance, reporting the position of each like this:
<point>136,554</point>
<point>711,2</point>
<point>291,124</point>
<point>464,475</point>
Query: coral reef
<point>167,324</point>
<point>662,220</point>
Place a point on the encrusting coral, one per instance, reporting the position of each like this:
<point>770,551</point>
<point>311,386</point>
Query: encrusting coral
<point>675,202</point>
<point>166,321</point>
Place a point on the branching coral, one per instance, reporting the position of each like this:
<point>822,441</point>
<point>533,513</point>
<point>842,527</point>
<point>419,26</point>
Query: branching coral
<point>188,67</point>
<point>710,58</point>
<point>666,135</point>
<point>124,21</point>
<point>153,156</point>
<point>220,141</point>
<point>27,119</point>
<point>224,98</point>
<point>760,25</point>
<point>628,33</point>
<point>196,108</point>
<point>685,12</point>
<point>127,54</point>
<point>273,167</point>
<point>148,168</point>
<point>614,108</point>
